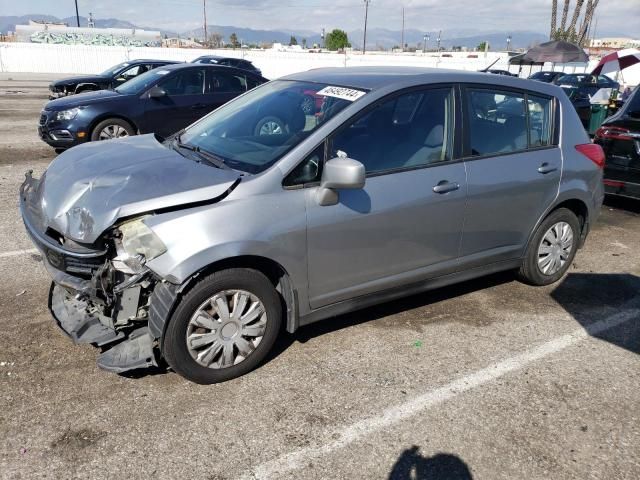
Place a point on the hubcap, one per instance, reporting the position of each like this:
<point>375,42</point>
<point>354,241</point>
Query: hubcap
<point>270,128</point>
<point>112,131</point>
<point>555,248</point>
<point>226,329</point>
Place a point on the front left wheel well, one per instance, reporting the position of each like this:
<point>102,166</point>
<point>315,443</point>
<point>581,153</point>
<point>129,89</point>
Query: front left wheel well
<point>275,272</point>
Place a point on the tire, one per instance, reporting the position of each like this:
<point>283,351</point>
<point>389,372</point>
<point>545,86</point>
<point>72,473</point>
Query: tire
<point>59,150</point>
<point>220,331</point>
<point>270,125</point>
<point>119,128</point>
<point>544,266</point>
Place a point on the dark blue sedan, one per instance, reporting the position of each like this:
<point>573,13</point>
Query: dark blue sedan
<point>161,101</point>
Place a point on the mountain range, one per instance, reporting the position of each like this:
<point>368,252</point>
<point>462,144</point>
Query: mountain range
<point>376,37</point>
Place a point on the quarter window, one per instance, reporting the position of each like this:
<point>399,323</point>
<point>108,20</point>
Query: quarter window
<point>540,112</point>
<point>411,130</point>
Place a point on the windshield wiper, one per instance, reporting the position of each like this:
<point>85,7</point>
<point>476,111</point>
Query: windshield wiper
<point>211,158</point>
<point>208,157</point>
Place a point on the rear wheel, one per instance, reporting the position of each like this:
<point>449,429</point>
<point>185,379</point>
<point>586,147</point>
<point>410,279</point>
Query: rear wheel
<point>224,327</point>
<point>552,248</point>
<point>112,128</point>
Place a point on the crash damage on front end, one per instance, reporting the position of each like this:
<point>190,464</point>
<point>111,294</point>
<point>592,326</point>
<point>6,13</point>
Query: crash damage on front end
<point>87,220</point>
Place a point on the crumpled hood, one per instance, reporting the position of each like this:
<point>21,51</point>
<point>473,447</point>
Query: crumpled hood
<point>89,187</point>
<point>80,79</point>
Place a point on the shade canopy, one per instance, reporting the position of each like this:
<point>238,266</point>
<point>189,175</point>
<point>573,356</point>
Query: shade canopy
<point>616,61</point>
<point>555,52</point>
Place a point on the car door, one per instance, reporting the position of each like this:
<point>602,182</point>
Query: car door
<point>513,170</point>
<point>405,224</point>
<point>183,103</point>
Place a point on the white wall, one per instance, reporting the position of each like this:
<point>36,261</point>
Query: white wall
<point>49,58</point>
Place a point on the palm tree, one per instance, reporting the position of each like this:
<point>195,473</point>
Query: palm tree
<point>554,9</point>
<point>576,15</point>
<point>565,11</point>
<point>588,15</point>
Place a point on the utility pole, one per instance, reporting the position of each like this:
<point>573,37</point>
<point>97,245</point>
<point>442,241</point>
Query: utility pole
<point>204,11</point>
<point>77,15</point>
<point>402,46</point>
<point>366,13</point>
<point>439,37</point>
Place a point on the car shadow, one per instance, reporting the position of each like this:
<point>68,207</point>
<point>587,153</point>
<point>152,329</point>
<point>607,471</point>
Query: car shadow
<point>308,332</point>
<point>621,203</point>
<point>411,465</point>
<point>582,294</point>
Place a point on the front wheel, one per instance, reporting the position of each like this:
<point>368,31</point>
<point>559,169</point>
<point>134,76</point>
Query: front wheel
<point>552,249</point>
<point>112,128</point>
<point>270,125</point>
<point>224,327</point>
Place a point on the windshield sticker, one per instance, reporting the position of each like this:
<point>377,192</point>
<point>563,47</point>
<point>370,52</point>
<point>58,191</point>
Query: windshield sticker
<point>349,94</point>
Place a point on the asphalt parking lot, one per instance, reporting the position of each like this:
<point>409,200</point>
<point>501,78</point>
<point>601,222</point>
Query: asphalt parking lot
<point>490,379</point>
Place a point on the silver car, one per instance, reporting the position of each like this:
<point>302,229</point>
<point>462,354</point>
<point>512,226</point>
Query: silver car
<point>263,216</point>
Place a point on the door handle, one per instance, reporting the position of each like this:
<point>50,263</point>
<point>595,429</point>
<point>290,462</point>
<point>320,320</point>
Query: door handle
<point>445,186</point>
<point>546,168</point>
<point>198,106</point>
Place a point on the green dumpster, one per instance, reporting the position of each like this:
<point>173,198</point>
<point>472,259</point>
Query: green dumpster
<point>598,115</point>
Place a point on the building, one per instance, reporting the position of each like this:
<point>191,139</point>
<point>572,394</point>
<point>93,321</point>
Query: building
<point>41,32</point>
<point>614,43</point>
<point>174,42</point>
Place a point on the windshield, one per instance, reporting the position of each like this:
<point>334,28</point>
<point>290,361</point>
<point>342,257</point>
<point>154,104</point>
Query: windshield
<point>141,82</point>
<point>115,69</point>
<point>252,132</point>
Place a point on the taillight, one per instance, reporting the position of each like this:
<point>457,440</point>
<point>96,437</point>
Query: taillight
<point>593,152</point>
<point>614,133</point>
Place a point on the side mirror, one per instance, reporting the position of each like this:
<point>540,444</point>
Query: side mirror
<point>157,92</point>
<point>339,173</point>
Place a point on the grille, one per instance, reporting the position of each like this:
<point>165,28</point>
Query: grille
<point>84,266</point>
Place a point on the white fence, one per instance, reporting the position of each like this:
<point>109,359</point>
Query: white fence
<point>51,58</point>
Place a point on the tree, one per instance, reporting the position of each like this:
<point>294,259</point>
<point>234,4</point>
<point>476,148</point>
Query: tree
<point>233,39</point>
<point>482,46</point>
<point>216,40</point>
<point>293,41</point>
<point>337,39</point>
<point>304,43</point>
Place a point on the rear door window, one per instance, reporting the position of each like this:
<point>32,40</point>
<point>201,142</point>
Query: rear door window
<point>224,82</point>
<point>185,82</point>
<point>497,122</point>
<point>502,122</point>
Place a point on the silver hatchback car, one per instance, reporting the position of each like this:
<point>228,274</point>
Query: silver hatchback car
<point>264,215</point>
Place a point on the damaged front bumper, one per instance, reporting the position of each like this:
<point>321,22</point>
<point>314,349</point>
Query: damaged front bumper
<point>94,303</point>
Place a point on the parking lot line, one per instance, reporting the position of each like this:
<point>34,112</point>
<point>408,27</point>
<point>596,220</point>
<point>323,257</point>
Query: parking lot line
<point>393,415</point>
<point>16,253</point>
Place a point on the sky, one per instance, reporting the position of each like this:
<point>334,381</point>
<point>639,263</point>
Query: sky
<point>460,16</point>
